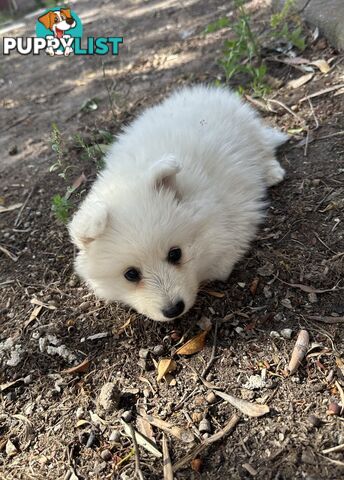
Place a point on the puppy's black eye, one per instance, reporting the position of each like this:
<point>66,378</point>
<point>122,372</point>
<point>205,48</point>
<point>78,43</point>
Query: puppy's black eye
<point>133,275</point>
<point>174,255</point>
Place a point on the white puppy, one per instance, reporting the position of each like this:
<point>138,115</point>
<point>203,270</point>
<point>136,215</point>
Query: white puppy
<point>178,202</point>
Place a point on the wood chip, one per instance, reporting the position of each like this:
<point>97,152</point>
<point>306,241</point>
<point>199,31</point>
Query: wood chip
<point>248,408</point>
<point>299,352</point>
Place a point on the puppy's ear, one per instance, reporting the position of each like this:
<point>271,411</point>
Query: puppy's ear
<point>165,172</point>
<point>67,12</point>
<point>47,20</point>
<point>88,223</point>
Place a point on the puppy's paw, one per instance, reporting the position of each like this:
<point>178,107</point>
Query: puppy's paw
<point>275,173</point>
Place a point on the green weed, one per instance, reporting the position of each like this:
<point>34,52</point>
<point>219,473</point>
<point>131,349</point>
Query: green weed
<point>241,58</point>
<point>61,207</point>
<point>287,27</point>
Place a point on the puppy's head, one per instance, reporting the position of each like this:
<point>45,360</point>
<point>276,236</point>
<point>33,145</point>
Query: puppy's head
<point>138,242</point>
<point>58,21</point>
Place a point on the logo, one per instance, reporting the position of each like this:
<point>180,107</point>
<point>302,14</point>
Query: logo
<point>59,33</point>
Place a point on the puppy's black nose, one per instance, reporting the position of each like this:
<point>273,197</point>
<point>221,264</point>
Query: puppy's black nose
<point>70,21</point>
<point>174,310</point>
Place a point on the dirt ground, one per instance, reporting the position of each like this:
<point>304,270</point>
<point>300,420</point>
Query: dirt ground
<point>51,422</point>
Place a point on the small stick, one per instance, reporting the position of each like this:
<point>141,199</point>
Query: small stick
<point>17,222</point>
<point>326,319</point>
<point>212,357</point>
<point>313,113</point>
<point>289,110</point>
<point>330,135</point>
<point>138,472</point>
<point>214,438</point>
<point>322,92</point>
<point>338,448</point>
<point>168,471</point>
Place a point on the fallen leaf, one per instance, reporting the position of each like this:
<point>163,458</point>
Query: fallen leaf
<point>34,314</point>
<point>142,440</point>
<point>298,82</point>
<point>213,293</point>
<point>323,66</point>
<point>10,207</point>
<point>165,365</point>
<point>248,408</point>
<point>196,464</point>
<point>143,426</point>
<point>96,419</point>
<point>182,434</point>
<point>81,368</point>
<point>76,184</point>
<point>81,423</point>
<point>194,345</point>
<point>299,352</point>
<point>122,327</point>
<point>254,285</point>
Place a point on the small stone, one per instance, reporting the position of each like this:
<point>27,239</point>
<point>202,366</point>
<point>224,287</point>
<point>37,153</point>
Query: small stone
<point>312,297</point>
<point>267,292</point>
<point>90,439</point>
<point>158,350</point>
<point>143,353</point>
<point>254,382</point>
<point>334,409</point>
<point>287,303</point>
<point>287,333</point>
<point>197,417</point>
<point>316,182</point>
<point>204,426</point>
<point>108,398</point>
<point>13,150</point>
<point>106,455</point>
<point>274,334</point>
<point>127,415</point>
<point>211,398</point>
<point>73,282</point>
<point>79,413</point>
<point>28,379</point>
<point>247,394</point>
<point>206,435</point>
<point>115,436</point>
<point>146,392</point>
<point>314,421</point>
<point>84,306</point>
<point>175,335</point>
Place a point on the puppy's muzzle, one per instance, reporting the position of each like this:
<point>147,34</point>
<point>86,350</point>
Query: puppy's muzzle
<point>174,310</point>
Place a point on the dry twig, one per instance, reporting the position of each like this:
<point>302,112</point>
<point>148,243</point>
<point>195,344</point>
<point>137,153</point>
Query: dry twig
<point>214,438</point>
<point>138,472</point>
<point>212,357</point>
<point>168,470</point>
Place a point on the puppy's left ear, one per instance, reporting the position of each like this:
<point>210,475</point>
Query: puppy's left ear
<point>88,223</point>
<point>165,172</point>
<point>67,12</point>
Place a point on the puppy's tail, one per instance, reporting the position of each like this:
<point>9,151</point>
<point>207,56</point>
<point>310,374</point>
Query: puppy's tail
<point>274,137</point>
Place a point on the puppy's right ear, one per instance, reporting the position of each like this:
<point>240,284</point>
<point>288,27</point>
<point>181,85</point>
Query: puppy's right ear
<point>88,223</point>
<point>47,19</point>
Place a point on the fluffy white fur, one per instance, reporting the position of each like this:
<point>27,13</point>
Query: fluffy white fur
<point>191,172</point>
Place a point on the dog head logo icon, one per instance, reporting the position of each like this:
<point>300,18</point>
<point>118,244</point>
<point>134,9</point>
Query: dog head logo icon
<point>62,25</point>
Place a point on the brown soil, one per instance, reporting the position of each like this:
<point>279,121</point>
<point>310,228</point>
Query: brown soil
<point>301,243</point>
